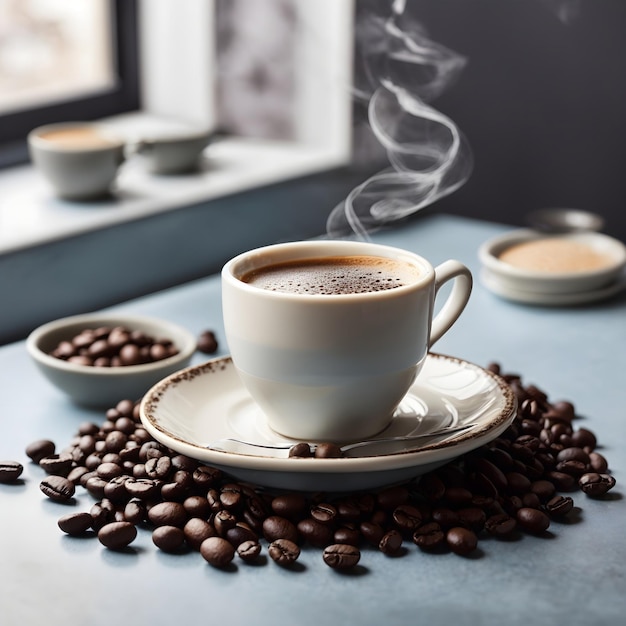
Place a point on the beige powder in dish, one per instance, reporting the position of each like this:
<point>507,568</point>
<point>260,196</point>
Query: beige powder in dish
<point>555,255</point>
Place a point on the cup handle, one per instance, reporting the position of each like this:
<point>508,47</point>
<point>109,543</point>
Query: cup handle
<point>457,300</point>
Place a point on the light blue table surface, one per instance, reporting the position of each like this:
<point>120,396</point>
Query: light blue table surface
<point>575,575</point>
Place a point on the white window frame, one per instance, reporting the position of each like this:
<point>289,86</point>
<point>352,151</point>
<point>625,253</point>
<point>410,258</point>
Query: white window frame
<point>175,35</point>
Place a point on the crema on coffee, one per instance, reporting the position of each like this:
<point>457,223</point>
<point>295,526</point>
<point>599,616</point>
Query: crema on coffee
<point>78,138</point>
<point>336,275</point>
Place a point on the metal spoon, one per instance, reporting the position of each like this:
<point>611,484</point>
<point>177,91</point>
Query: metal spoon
<point>565,220</point>
<point>223,444</point>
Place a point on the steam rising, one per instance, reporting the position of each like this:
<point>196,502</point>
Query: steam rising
<point>402,69</point>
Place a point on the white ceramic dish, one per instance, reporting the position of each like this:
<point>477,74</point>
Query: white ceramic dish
<point>514,279</point>
<point>205,403</point>
<point>105,386</point>
<point>504,290</point>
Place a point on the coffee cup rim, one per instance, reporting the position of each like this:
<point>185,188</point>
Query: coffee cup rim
<point>35,137</point>
<point>281,252</point>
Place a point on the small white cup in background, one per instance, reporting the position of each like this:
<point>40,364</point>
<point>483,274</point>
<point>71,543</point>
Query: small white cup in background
<point>176,153</point>
<point>335,367</point>
<point>80,160</point>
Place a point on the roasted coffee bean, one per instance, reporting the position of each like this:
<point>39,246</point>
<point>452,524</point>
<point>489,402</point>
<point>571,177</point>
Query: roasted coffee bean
<point>75,523</point>
<point>532,520</point>
<point>500,525</point>
<point>324,513</point>
<point>472,517</point>
<point>406,518</point>
<point>429,536</point>
<point>445,517</point>
<point>300,450</point>
<point>315,533</point>
<point>517,482</point>
<point>595,485</point>
<point>597,463</point>
<point>115,489</point>
<point>10,471</point>
<point>57,488</point>
<point>431,487</point>
<point>341,556</point>
<point>347,535</point>
<point>391,543</point>
<point>544,489</point>
<point>217,551</point>
<point>292,505</point>
<point>168,538</point>
<point>168,514</point>
<point>461,540</point>
<point>95,486</point>
<point>284,552</point>
<point>327,451</point>
<point>562,481</point>
<point>572,467</point>
<point>196,530</point>
<point>57,464</point>
<point>371,532</point>
<point>205,476</point>
<point>559,505</point>
<point>117,535</point>
<point>142,488</point>
<point>40,449</point>
<point>276,527</point>
<point>102,513</point>
<point>584,438</point>
<point>197,506</point>
<point>240,533</point>
<point>207,343</point>
<point>135,511</point>
<point>249,551</point>
<point>158,467</point>
<point>458,496</point>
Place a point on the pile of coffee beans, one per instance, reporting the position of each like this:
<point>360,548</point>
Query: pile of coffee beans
<point>518,483</point>
<point>113,347</point>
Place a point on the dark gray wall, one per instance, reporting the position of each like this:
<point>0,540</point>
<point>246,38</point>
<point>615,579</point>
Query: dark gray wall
<point>542,102</point>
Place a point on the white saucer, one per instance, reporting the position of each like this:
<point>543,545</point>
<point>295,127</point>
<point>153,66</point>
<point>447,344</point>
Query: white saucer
<point>191,408</point>
<point>504,290</point>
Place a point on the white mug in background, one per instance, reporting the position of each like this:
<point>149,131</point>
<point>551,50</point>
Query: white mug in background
<point>335,367</point>
<point>173,154</point>
<point>79,160</point>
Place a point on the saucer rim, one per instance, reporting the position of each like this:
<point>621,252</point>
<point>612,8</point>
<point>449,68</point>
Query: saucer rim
<point>492,282</point>
<point>440,451</point>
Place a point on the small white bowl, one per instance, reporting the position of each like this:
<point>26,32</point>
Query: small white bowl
<point>106,386</point>
<point>540,282</point>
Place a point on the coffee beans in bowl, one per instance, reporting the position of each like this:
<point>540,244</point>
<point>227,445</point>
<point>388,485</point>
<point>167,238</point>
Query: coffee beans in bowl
<point>98,358</point>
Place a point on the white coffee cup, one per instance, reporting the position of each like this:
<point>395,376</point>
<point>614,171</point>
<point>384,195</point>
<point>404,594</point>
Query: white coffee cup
<point>335,367</point>
<point>80,160</point>
<point>177,153</point>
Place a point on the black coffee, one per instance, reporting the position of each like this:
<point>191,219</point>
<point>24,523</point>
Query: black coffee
<point>334,275</point>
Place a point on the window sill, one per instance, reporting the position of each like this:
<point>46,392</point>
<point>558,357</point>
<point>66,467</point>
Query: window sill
<point>30,215</point>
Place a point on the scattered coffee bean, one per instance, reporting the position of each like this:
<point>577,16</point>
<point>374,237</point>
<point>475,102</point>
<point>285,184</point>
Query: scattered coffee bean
<point>10,471</point>
<point>207,343</point>
<point>327,451</point>
<point>168,538</point>
<point>75,523</point>
<point>117,535</point>
<point>532,520</point>
<point>510,484</point>
<point>390,543</point>
<point>284,552</point>
<point>595,485</point>
<point>559,505</point>
<point>300,450</point>
<point>249,551</point>
<point>461,540</point>
<point>217,551</point>
<point>341,556</point>
<point>57,488</point>
<point>39,449</point>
